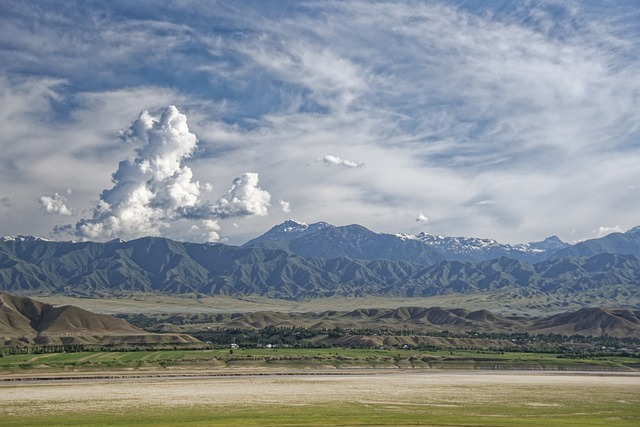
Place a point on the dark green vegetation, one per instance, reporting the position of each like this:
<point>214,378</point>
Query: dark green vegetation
<point>575,346</point>
<point>163,266</point>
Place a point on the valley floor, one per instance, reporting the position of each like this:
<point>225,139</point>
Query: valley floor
<point>367,398</point>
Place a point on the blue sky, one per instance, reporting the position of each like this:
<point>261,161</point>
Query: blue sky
<point>502,119</point>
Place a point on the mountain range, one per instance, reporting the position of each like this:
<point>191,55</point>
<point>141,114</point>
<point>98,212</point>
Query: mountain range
<point>327,241</point>
<point>298,261</point>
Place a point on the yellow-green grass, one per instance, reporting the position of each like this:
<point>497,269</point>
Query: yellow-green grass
<point>605,414</point>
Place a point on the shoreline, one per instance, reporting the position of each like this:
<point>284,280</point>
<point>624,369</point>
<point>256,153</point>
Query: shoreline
<point>64,377</point>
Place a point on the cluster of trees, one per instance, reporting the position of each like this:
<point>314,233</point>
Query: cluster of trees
<point>299,337</point>
<point>296,337</point>
<point>77,348</point>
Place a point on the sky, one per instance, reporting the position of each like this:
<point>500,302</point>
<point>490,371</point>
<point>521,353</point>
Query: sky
<point>216,120</point>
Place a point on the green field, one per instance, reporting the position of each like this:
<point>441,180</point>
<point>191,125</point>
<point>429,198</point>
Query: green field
<point>504,414</point>
<point>303,358</point>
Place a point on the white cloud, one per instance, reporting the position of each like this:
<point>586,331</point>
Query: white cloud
<point>151,189</point>
<point>244,198</point>
<point>285,206</point>
<point>155,189</point>
<point>55,204</point>
<point>450,104</point>
<point>337,161</point>
<point>422,218</point>
<point>486,202</point>
<point>211,229</point>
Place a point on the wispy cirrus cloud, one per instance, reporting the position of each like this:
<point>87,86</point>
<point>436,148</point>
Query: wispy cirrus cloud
<point>332,160</point>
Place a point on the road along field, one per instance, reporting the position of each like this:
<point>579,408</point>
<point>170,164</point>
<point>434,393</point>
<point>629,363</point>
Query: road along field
<point>452,398</point>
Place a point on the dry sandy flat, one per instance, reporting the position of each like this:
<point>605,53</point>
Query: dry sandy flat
<point>446,389</point>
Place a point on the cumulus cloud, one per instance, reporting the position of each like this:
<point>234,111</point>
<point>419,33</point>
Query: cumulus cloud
<point>210,230</point>
<point>337,161</point>
<point>55,204</point>
<point>155,188</point>
<point>285,206</point>
<point>244,198</point>
<point>422,218</point>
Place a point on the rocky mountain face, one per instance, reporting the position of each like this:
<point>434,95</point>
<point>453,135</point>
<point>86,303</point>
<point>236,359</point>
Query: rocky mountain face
<point>322,240</point>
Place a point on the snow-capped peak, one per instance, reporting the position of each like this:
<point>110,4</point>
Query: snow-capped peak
<point>405,236</point>
<point>473,248</point>
<point>21,238</point>
<point>551,243</point>
<point>117,240</point>
<point>289,230</point>
<point>292,225</point>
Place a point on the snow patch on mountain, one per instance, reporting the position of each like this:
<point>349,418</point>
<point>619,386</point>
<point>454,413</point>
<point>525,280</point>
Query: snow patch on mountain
<point>290,230</point>
<point>470,248</point>
<point>21,238</point>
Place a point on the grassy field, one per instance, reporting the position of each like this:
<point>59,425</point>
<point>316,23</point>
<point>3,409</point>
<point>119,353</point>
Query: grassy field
<point>300,359</point>
<point>435,399</point>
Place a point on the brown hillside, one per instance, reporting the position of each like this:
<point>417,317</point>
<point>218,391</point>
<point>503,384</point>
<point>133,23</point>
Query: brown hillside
<point>588,321</point>
<point>592,321</point>
<point>70,319</point>
<point>24,321</point>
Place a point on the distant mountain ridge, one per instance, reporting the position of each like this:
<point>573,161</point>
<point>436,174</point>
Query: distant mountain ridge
<point>627,243</point>
<point>476,249</point>
<point>289,230</point>
<point>159,265</point>
<point>323,240</point>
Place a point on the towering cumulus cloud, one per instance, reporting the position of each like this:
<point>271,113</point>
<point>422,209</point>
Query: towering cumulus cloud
<point>154,188</point>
